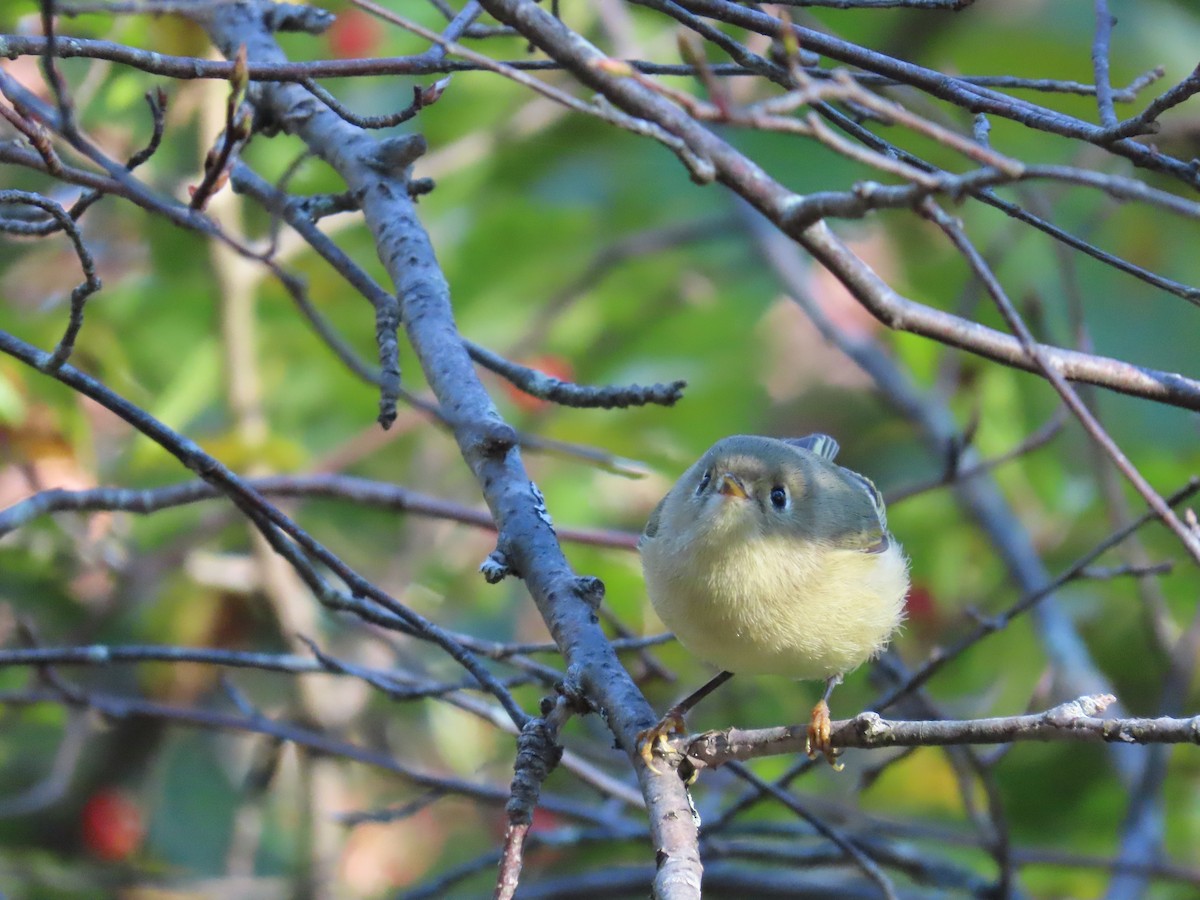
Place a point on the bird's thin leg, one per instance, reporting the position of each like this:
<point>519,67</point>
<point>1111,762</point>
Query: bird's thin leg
<point>655,739</point>
<point>819,728</point>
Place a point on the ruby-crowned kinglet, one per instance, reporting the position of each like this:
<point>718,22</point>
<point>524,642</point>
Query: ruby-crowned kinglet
<point>768,558</point>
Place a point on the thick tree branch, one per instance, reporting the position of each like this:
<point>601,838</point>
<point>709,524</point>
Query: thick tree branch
<point>486,441</point>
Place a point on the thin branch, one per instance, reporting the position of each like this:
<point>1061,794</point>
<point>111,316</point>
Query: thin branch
<point>866,197</point>
<point>270,521</point>
<point>973,98</point>
<point>777,203</point>
<point>538,384</point>
<point>1100,49</point>
<point>54,77</point>
<point>1189,536</point>
<point>916,863</point>
<point>538,752</point>
<point>38,139</point>
<point>696,165</point>
<point>234,136</point>
<point>118,708</point>
<point>844,843</point>
<point>81,292</point>
<point>337,487</point>
<point>1146,122</point>
<point>944,655</point>
<point>396,684</point>
<point>190,68</point>
<point>1077,720</point>
<point>297,214</point>
<point>989,197</point>
<point>58,780</point>
<point>422,97</point>
<point>954,472</point>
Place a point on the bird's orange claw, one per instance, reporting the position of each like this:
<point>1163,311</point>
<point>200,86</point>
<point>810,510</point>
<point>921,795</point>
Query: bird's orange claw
<point>658,739</point>
<point>818,737</point>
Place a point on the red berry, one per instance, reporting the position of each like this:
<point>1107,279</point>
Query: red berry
<point>544,820</point>
<point>355,34</point>
<point>547,363</point>
<point>112,826</point>
<point>920,605</point>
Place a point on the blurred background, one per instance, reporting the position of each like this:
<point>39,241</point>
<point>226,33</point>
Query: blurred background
<point>587,253</point>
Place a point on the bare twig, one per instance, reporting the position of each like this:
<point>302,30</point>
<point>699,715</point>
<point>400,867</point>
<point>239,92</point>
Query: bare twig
<point>236,133</point>
<point>1077,720</point>
<point>343,487</point>
<point>191,68</point>
<point>82,291</point>
<point>778,204</point>
<point>1100,50</point>
<point>942,656</point>
<point>118,708</point>
<point>854,852</point>
<point>1146,122</point>
<point>538,752</point>
<point>538,384</point>
<point>1187,535</point>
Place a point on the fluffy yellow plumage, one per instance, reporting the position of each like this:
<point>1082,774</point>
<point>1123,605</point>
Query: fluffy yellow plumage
<point>767,557</point>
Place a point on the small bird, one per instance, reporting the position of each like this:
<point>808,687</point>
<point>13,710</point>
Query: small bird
<point>767,558</point>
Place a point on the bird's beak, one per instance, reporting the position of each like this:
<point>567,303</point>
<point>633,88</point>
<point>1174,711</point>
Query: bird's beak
<point>732,486</point>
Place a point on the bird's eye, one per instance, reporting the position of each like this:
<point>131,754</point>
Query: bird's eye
<point>779,497</point>
<point>704,482</point>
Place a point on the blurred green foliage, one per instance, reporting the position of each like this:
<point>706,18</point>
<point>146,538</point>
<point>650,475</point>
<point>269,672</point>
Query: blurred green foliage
<point>527,197</point>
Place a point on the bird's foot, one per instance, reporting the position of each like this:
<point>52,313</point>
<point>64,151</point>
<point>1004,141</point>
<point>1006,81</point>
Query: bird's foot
<point>818,737</point>
<point>658,739</point>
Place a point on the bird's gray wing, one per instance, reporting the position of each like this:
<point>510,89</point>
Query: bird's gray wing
<point>651,530</point>
<point>873,537</point>
<point>821,445</point>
